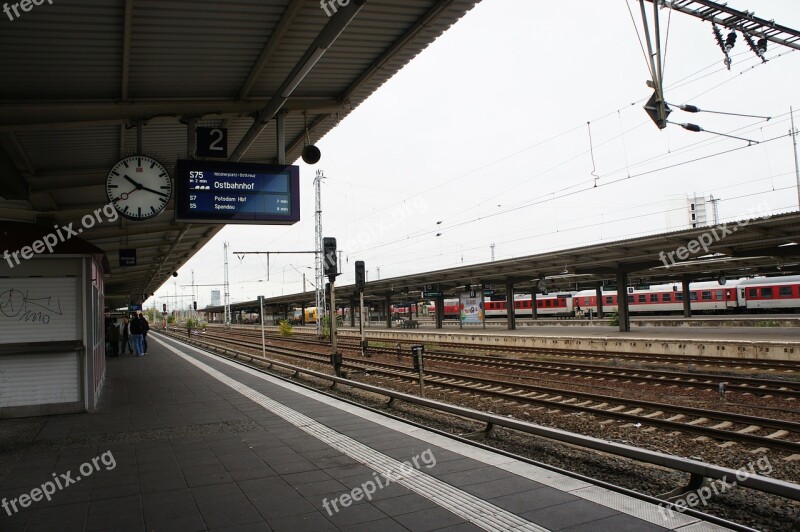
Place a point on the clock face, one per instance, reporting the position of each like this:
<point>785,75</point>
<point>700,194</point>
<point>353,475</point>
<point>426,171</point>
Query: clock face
<point>139,187</point>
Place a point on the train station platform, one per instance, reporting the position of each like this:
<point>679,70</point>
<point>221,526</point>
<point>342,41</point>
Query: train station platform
<point>183,440</point>
<point>761,343</point>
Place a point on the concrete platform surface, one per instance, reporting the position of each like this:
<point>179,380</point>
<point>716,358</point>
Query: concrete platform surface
<point>187,441</point>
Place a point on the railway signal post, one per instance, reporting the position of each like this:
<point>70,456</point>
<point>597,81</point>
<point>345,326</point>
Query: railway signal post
<point>360,283</point>
<point>263,338</point>
<point>416,354</point>
<point>330,264</point>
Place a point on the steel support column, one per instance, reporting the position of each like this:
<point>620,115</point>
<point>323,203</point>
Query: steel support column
<point>510,315</point>
<point>388,305</point>
<point>534,309</point>
<point>280,135</point>
<point>687,298</point>
<point>599,296</point>
<point>622,301</point>
<point>440,312</point>
<point>352,313</point>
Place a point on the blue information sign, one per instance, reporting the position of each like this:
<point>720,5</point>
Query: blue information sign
<point>226,192</point>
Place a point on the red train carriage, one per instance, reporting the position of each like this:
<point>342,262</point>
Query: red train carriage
<point>558,305</point>
<point>763,294</point>
<point>775,293</point>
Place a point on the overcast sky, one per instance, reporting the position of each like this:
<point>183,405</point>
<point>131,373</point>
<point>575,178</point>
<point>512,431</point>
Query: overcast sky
<point>486,132</point>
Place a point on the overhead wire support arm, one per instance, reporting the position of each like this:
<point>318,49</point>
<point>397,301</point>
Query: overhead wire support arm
<point>697,129</point>
<point>241,255</point>
<point>694,109</point>
<point>742,21</point>
<point>656,107</point>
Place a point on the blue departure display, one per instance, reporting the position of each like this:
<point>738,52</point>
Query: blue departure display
<point>226,192</point>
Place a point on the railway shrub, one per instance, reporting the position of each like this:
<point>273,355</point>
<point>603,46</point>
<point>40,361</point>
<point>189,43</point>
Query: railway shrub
<point>767,323</point>
<point>615,319</point>
<point>326,327</point>
<point>285,328</point>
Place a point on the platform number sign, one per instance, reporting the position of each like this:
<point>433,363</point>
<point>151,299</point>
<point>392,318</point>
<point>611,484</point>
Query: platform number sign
<point>212,142</point>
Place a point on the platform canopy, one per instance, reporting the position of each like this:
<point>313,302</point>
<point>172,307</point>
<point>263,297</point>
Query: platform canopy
<point>78,77</point>
<point>743,248</point>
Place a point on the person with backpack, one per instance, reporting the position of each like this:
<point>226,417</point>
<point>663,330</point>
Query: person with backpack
<point>137,335</point>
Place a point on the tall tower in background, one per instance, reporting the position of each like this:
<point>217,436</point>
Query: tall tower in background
<point>688,212</point>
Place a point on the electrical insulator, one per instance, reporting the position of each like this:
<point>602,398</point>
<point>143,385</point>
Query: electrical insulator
<point>730,41</point>
<point>692,127</point>
<point>689,108</point>
<point>762,46</point>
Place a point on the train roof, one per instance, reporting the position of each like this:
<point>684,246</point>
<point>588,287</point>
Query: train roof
<point>766,281</point>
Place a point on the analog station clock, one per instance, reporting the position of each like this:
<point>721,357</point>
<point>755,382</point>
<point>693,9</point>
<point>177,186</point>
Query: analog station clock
<point>139,187</point>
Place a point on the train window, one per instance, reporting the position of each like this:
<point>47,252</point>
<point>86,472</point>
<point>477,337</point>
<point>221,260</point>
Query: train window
<point>609,299</point>
<point>706,296</point>
<point>666,298</point>
<point>752,293</point>
<point>766,293</point>
<point>693,296</point>
<point>642,298</point>
<point>785,291</point>
<point>678,296</point>
<point>653,298</point>
<point>720,294</point>
<point>630,299</point>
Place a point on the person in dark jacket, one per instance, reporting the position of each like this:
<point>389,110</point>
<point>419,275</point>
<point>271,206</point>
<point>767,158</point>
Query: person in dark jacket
<point>137,335</point>
<point>112,334</point>
<point>125,333</point>
<point>144,335</point>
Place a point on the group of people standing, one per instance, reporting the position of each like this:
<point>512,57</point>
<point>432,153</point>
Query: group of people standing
<point>131,335</point>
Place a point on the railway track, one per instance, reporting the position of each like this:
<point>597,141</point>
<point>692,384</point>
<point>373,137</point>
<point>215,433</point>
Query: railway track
<point>785,387</point>
<point>345,335</point>
<point>722,426</point>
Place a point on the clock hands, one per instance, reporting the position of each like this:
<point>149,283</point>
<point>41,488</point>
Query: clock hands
<point>139,186</point>
<point>155,192</point>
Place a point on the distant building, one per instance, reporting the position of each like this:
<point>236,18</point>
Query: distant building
<point>215,298</point>
<point>687,212</point>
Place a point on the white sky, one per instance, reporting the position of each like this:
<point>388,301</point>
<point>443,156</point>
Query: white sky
<point>493,117</point>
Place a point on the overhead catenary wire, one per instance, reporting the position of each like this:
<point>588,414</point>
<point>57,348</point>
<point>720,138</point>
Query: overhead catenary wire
<point>551,196</point>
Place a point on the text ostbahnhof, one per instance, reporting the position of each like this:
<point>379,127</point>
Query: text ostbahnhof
<point>234,186</point>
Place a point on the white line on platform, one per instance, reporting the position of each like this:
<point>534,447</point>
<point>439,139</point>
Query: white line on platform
<point>467,506</point>
<point>617,501</point>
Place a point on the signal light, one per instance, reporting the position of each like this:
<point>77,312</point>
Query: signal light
<point>329,261</point>
<point>164,307</point>
<point>360,276</point>
<point>194,304</point>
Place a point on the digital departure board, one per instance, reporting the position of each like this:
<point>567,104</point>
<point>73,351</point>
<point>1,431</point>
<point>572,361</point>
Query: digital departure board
<point>236,193</point>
